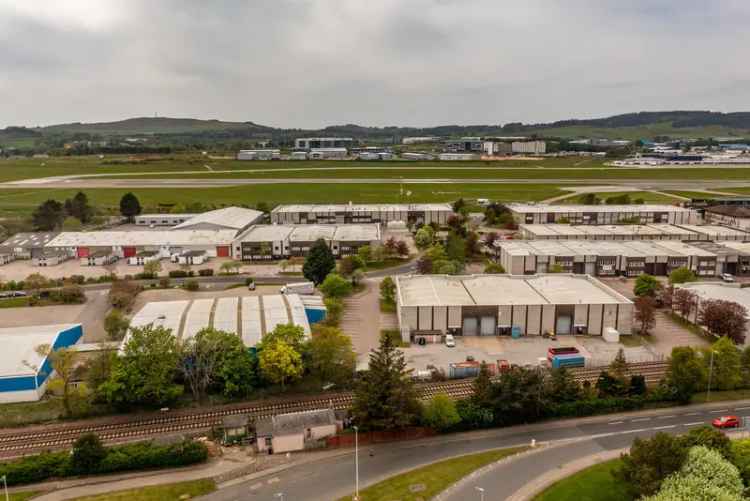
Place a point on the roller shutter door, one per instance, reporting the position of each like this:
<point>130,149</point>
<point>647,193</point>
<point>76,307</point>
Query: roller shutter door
<point>128,251</point>
<point>222,251</point>
<point>83,251</point>
<point>487,326</point>
<point>470,327</point>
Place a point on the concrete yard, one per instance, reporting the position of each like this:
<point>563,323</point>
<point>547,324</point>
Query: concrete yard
<point>524,351</point>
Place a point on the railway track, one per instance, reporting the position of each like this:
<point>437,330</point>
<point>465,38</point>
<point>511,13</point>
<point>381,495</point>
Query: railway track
<point>120,429</point>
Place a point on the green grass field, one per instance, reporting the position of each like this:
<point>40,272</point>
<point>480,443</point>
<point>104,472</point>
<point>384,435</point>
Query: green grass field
<point>434,478</point>
<point>592,484</point>
<point>647,196</point>
<point>23,201</point>
<point>167,492</point>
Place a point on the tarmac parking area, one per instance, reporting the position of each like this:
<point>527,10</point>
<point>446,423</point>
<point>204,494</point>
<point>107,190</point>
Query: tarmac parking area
<point>522,351</point>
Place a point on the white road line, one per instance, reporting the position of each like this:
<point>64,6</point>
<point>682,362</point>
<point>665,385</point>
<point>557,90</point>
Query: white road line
<point>641,419</point>
<point>694,424</point>
<point>666,417</point>
<point>616,422</point>
<point>692,414</point>
<point>664,427</point>
<point>741,408</point>
<point>720,410</point>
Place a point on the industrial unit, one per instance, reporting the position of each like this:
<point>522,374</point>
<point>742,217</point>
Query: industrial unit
<point>277,241</point>
<point>722,291</point>
<point>361,213</point>
<point>250,317</point>
<point>602,214</point>
<point>309,143</point>
<point>24,373</point>
<point>161,219</point>
<point>607,232</point>
<point>22,245</point>
<point>260,154</point>
<point>729,215</point>
<point>611,258</point>
<point>228,218</point>
<point>715,232</point>
<point>489,305</point>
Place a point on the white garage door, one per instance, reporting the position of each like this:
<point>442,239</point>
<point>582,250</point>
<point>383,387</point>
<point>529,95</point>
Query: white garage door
<point>471,327</point>
<point>487,327</point>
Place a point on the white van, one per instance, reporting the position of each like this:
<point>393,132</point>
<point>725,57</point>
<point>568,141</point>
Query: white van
<point>450,341</point>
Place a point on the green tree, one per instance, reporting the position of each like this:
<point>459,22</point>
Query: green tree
<point>319,262</point>
<point>646,285</point>
<point>130,206</point>
<point>493,267</point>
<point>709,437</point>
<point>144,374</point>
<point>152,268</point>
<point>724,318</point>
<point>562,387</point>
<point>365,253</point>
<point>424,237</point>
<point>291,334</point>
<point>727,370</point>
<point>280,363</point>
<point>334,310</point>
<point>64,362</point>
<point>79,208</point>
<point>645,314</point>
<point>649,462</point>
<point>335,285</point>
<point>49,216</point>
<point>440,413</point>
<point>681,275</point>
<point>385,397</point>
<point>482,386</point>
<point>116,325</point>
<point>518,396</point>
<point>388,291</point>
<point>455,248</point>
<point>36,282</point>
<point>332,358</point>
<point>686,373</point>
<point>87,454</point>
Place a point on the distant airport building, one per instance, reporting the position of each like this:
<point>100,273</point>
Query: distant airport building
<point>309,143</point>
<point>263,154</point>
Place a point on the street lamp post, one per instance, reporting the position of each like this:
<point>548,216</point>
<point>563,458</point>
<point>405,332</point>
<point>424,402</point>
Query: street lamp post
<point>481,493</point>
<point>356,463</point>
<point>5,486</point>
<point>710,373</point>
<point>279,495</point>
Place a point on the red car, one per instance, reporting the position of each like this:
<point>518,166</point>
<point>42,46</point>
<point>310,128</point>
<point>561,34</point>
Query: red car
<point>726,422</point>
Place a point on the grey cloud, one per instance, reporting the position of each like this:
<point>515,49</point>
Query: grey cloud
<point>308,63</point>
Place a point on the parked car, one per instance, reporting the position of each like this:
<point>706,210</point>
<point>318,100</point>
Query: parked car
<point>726,422</point>
<point>727,277</point>
<point>251,286</point>
<point>13,294</point>
<point>450,341</point>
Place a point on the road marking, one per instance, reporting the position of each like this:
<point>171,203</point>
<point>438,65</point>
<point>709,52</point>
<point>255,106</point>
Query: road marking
<point>616,422</point>
<point>641,419</point>
<point>666,417</point>
<point>741,408</point>
<point>664,427</point>
<point>692,414</point>
<point>720,410</point>
<point>694,424</point>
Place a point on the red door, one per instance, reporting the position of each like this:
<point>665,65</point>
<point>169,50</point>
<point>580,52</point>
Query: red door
<point>128,251</point>
<point>222,251</point>
<point>83,251</point>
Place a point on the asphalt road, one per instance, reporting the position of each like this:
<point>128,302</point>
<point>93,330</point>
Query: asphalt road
<point>332,478</point>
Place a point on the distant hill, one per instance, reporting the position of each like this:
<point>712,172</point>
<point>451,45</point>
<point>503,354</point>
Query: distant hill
<point>151,125</point>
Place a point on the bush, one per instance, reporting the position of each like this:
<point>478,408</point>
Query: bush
<point>440,413</point>
<point>192,285</point>
<point>336,286</point>
<point>71,294</point>
<point>334,310</point>
<point>145,276</point>
<point>206,272</point>
<point>164,282</point>
<point>78,279</point>
<point>83,460</point>
<point>178,274</point>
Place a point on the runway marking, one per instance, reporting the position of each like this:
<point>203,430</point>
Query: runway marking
<point>208,167</point>
<point>666,417</point>
<point>641,419</point>
<point>616,422</point>
<point>694,424</point>
<point>665,427</point>
<point>720,410</point>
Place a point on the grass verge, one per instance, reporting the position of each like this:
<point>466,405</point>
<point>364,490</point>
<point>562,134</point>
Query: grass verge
<point>432,479</point>
<point>596,483</point>
<point>719,396</point>
<point>21,496</point>
<point>167,492</point>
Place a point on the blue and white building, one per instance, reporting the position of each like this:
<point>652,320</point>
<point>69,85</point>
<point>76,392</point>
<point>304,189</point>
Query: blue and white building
<point>24,373</point>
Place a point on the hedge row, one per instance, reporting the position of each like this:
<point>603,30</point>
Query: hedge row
<point>138,456</point>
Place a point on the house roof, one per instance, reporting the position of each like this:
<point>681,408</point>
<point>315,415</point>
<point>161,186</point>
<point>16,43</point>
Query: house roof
<point>294,422</point>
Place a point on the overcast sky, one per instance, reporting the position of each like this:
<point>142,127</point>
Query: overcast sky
<point>311,63</point>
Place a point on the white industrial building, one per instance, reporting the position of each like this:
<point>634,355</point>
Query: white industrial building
<point>721,291</point>
<point>327,153</point>
<point>529,147</point>
<point>162,219</point>
<point>361,213</point>
<point>228,218</point>
<point>490,305</point>
<point>24,373</point>
<point>457,157</point>
<point>606,232</point>
<point>601,214</point>
<point>260,154</point>
<point>728,215</point>
<point>310,143</point>
<point>21,245</point>
<point>606,258</point>
<point>716,232</point>
<point>250,317</point>
<point>277,241</point>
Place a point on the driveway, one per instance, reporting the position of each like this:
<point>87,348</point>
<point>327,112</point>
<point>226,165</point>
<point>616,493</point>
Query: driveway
<point>361,320</point>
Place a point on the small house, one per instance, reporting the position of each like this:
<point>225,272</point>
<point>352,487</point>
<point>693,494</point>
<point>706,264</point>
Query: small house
<point>234,429</point>
<point>295,431</point>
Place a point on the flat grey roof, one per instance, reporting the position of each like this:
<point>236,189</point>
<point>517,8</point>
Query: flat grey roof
<point>719,290</point>
<point>266,233</point>
<point>229,217</point>
<point>140,238</point>
<point>612,230</point>
<point>324,208</point>
<point>25,240</point>
<point>566,208</point>
<point>490,290</point>
<point>715,230</point>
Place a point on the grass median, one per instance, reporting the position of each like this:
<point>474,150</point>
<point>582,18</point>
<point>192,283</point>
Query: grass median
<point>596,483</point>
<point>428,481</point>
<point>166,492</point>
